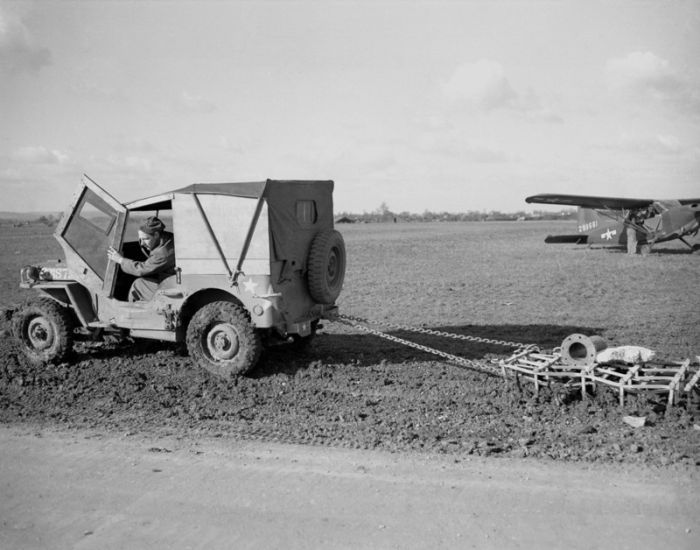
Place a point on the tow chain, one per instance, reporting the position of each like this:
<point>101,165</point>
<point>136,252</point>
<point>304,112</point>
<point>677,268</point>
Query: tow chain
<point>481,366</point>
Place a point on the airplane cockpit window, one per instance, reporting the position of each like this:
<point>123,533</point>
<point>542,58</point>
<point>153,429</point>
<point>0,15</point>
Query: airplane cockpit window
<point>663,206</point>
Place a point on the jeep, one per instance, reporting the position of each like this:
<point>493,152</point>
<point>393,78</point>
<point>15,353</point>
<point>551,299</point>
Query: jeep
<point>256,263</point>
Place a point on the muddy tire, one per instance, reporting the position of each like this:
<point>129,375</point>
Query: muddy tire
<point>44,330</point>
<point>326,266</point>
<point>221,339</point>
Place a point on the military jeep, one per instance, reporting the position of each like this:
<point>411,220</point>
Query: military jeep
<point>256,262</point>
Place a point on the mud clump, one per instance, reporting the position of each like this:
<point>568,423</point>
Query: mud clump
<point>321,397</point>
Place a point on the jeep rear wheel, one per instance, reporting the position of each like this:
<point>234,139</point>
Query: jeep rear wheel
<point>44,330</point>
<point>221,339</point>
<point>326,266</point>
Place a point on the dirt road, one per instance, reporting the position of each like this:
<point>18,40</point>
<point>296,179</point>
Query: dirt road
<point>92,490</point>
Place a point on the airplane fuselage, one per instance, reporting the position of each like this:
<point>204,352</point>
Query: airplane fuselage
<point>673,220</point>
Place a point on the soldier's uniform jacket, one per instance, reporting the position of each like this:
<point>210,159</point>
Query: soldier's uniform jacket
<point>159,264</point>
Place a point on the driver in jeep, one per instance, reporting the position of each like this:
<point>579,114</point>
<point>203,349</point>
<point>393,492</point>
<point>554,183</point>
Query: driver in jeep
<point>159,247</point>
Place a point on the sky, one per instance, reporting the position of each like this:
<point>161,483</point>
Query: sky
<point>420,105</point>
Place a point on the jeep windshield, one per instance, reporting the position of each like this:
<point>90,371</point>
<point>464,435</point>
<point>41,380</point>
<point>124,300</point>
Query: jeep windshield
<point>91,229</point>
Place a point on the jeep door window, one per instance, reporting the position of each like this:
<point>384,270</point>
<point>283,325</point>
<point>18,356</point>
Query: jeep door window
<point>91,230</point>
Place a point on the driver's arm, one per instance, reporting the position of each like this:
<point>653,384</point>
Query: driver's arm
<point>155,263</point>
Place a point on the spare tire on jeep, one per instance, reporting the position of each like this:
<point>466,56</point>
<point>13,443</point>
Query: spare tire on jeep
<point>326,266</point>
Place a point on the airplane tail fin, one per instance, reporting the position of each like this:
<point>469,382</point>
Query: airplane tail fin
<point>588,220</point>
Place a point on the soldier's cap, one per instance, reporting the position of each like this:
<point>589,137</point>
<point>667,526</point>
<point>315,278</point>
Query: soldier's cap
<point>151,225</point>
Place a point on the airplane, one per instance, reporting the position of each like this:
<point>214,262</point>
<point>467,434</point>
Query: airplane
<point>603,220</point>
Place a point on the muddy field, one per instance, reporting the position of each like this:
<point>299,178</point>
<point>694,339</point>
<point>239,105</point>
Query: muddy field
<point>351,389</point>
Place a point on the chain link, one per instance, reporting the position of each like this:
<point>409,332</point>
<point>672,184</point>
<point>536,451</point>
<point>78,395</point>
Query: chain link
<point>481,366</point>
<point>421,330</point>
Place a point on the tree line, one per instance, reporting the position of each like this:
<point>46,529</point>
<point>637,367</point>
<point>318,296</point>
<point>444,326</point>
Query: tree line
<point>50,220</point>
<point>384,214</point>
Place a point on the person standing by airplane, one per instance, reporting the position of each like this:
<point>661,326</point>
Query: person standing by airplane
<point>634,219</point>
<point>631,240</point>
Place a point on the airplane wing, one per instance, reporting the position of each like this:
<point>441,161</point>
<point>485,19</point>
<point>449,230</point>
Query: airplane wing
<point>585,201</point>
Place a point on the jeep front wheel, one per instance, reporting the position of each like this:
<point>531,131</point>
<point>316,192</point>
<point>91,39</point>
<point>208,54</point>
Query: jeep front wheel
<point>221,339</point>
<point>44,330</point>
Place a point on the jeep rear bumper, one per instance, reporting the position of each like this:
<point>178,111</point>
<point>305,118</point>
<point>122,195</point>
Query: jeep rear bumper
<point>305,327</point>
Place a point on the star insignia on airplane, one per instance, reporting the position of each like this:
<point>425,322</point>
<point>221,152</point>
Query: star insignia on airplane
<point>608,235</point>
<point>250,286</point>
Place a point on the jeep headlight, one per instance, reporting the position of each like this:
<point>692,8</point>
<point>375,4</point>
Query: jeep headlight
<point>30,274</point>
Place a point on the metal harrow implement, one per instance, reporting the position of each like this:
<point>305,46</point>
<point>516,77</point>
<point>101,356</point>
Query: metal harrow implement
<point>672,379</point>
<point>580,370</point>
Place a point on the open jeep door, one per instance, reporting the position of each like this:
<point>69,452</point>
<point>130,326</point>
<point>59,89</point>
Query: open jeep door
<point>94,222</point>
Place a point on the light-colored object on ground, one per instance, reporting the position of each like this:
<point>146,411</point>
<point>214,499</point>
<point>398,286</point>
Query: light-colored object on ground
<point>579,349</point>
<point>635,421</point>
<point>625,354</point>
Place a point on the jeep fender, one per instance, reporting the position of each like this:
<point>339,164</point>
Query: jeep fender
<point>198,300</point>
<point>71,295</point>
